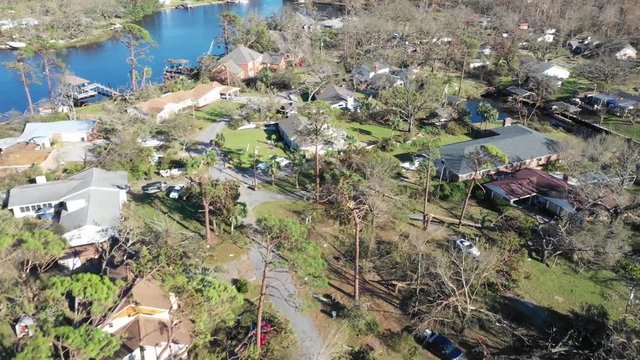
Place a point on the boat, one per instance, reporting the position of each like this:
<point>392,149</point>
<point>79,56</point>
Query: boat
<point>176,68</point>
<point>14,45</point>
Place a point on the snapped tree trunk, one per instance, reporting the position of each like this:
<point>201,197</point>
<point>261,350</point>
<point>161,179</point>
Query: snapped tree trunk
<point>356,263</point>
<point>25,84</point>
<point>317,173</point>
<point>207,229</point>
<point>263,293</point>
<point>297,180</point>
<point>466,201</point>
<point>464,67</point>
<point>47,74</point>
<point>132,58</point>
<point>425,223</point>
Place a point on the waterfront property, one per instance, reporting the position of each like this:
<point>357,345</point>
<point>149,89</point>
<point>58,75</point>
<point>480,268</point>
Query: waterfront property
<point>167,105</point>
<point>526,148</point>
<point>43,134</point>
<point>243,63</point>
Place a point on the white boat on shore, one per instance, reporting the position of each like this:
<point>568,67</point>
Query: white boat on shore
<point>14,45</point>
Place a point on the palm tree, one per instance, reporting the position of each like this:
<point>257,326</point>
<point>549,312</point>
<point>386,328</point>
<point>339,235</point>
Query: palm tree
<point>273,168</point>
<point>487,113</point>
<point>298,164</point>
<point>239,212</point>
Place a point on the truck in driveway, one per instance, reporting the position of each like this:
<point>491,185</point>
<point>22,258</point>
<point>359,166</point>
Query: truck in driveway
<point>154,187</point>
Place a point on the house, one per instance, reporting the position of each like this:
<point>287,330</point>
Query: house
<point>525,148</point>
<point>86,205</point>
<point>165,106</point>
<point>144,322</point>
<point>295,130</point>
<point>43,134</point>
<point>532,187</point>
<point>24,326</point>
<point>477,63</point>
<point>289,102</point>
<point>581,44</point>
<point>520,93</point>
<point>627,52</point>
<point>523,25</point>
<point>338,97</point>
<point>22,156</point>
<point>553,70</point>
<point>365,73</point>
<point>76,256</point>
<point>243,63</point>
<point>381,82</point>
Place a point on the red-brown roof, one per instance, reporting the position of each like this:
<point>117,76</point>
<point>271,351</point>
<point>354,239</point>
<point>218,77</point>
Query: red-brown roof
<point>529,182</point>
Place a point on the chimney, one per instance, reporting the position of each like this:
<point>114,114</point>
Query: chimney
<point>376,68</point>
<point>507,122</point>
<point>565,177</point>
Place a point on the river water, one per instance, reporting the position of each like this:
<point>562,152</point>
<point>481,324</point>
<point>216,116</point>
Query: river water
<point>185,34</point>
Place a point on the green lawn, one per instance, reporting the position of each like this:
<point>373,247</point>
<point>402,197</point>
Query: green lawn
<point>287,208</point>
<point>217,110</point>
<point>91,109</point>
<point>562,289</point>
<point>365,132</point>
<point>623,126</point>
<point>240,144</point>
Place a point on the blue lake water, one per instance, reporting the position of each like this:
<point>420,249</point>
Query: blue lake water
<point>185,34</point>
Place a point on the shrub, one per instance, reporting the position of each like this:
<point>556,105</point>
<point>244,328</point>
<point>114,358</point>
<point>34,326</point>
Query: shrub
<point>455,128</point>
<point>386,145</point>
<point>453,191</point>
<point>241,285</point>
<point>235,123</point>
<point>361,322</point>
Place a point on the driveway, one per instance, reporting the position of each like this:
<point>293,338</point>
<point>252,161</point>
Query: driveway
<point>76,152</point>
<point>282,290</point>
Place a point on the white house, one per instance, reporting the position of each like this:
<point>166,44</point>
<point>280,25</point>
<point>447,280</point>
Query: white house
<point>338,97</point>
<point>86,205</point>
<point>365,73</point>
<point>44,134</point>
<point>553,70</point>
<point>627,52</point>
<point>143,321</point>
<point>163,107</point>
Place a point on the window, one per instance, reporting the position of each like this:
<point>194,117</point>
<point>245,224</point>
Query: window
<point>34,207</point>
<point>24,209</point>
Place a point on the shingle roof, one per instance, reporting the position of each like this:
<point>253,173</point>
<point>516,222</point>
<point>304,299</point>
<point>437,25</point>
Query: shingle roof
<point>333,93</point>
<point>241,55</point>
<point>518,142</point>
<point>96,187</point>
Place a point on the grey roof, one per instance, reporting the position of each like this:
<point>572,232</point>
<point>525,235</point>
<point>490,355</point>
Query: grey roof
<point>97,188</point>
<point>334,94</point>
<point>518,142</point>
<point>383,81</point>
<point>233,67</point>
<point>241,55</point>
<point>454,100</point>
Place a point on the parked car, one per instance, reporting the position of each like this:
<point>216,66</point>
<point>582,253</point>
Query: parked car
<point>441,346</point>
<point>467,247</point>
<point>175,191</point>
<point>45,213</point>
<point>154,187</point>
<point>414,163</point>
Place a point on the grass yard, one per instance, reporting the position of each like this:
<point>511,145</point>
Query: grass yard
<point>290,209</point>
<point>240,144</point>
<point>623,126</point>
<point>563,290</point>
<point>366,132</point>
<point>217,110</point>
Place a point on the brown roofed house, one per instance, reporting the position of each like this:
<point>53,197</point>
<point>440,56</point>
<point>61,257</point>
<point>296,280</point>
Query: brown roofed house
<point>21,156</point>
<point>144,322</point>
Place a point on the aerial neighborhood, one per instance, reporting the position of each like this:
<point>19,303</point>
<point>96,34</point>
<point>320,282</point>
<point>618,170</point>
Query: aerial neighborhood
<point>335,180</point>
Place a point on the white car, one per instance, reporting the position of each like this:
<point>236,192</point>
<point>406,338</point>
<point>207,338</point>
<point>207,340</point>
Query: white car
<point>415,163</point>
<point>467,247</point>
<point>176,191</point>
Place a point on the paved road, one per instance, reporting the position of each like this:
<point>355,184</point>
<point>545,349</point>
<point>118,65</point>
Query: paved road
<point>282,290</point>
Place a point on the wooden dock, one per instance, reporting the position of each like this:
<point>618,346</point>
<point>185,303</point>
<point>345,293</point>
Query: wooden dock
<point>82,89</point>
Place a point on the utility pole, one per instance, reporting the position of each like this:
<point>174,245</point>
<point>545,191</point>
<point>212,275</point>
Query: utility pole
<point>255,174</point>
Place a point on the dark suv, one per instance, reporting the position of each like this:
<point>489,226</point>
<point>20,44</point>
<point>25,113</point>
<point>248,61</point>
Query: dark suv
<point>154,187</point>
<point>441,346</point>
